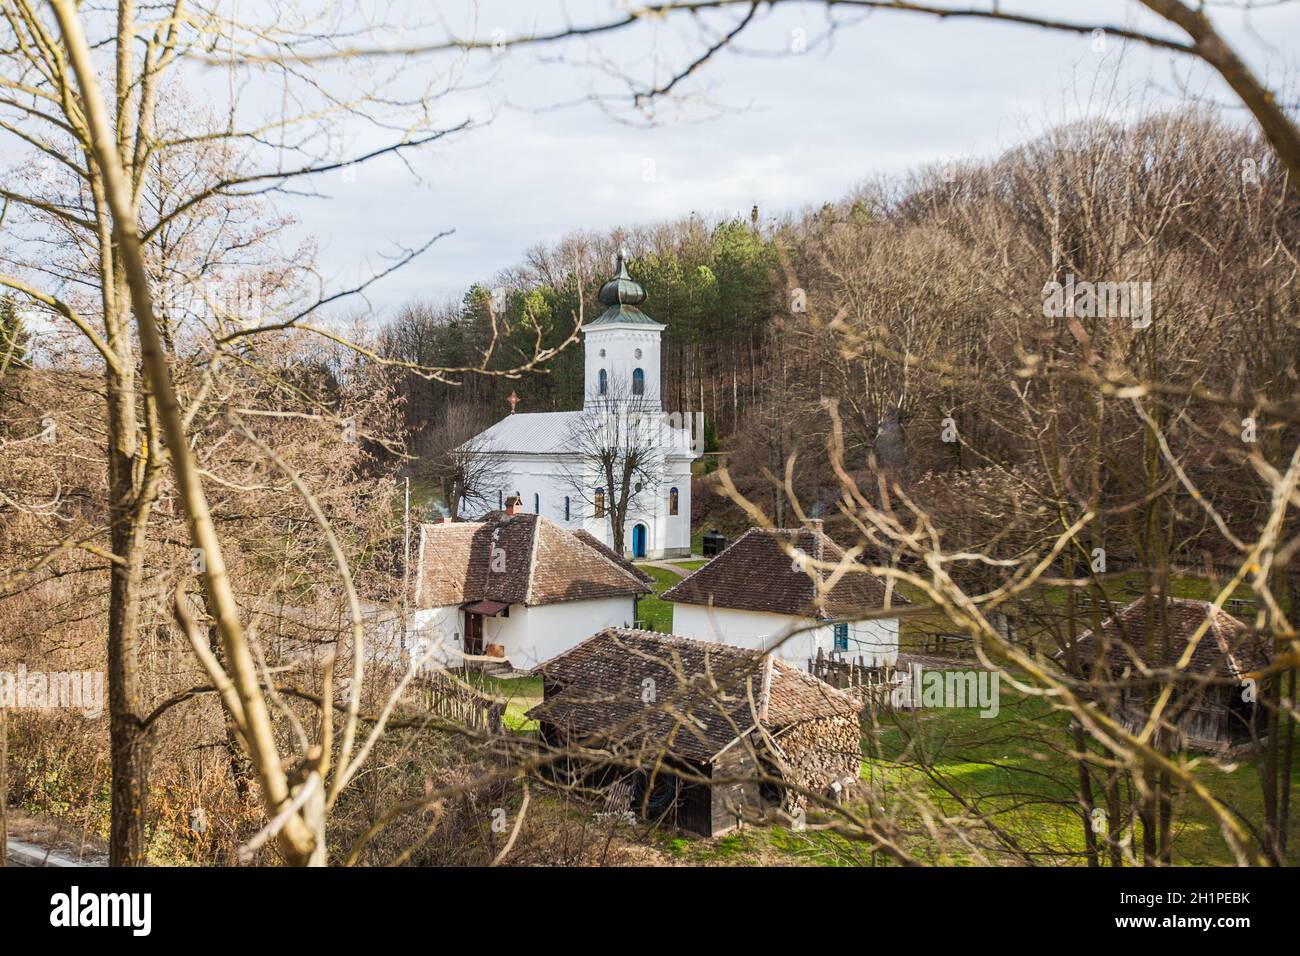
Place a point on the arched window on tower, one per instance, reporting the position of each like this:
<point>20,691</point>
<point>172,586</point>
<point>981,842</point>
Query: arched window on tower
<point>501,500</point>
<point>638,382</point>
<point>604,382</point>
<point>537,503</point>
<point>566,507</point>
<point>598,500</point>
<point>672,501</point>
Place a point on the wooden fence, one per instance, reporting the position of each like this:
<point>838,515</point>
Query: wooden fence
<point>443,694</point>
<point>880,688</point>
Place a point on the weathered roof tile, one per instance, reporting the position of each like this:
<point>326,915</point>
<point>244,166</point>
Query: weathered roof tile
<point>1228,648</point>
<point>757,573</point>
<point>516,559</point>
<point>640,689</point>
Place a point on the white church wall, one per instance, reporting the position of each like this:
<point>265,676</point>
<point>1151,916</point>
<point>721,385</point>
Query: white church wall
<point>620,345</point>
<point>546,481</point>
<point>875,641</point>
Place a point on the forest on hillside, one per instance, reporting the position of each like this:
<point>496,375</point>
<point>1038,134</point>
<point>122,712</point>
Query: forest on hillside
<point>908,304</point>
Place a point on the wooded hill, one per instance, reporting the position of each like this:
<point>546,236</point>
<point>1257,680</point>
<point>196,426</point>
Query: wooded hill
<point>920,297</point>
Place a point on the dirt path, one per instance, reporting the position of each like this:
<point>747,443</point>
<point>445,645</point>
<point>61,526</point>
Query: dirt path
<point>665,566</point>
<point>29,854</point>
<point>37,840</point>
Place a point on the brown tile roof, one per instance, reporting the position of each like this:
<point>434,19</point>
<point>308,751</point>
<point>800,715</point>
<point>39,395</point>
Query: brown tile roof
<point>705,694</point>
<point>1228,648</point>
<point>607,551</point>
<point>538,563</point>
<point>757,573</point>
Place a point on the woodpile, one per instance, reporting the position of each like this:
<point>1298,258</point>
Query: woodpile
<point>820,753</point>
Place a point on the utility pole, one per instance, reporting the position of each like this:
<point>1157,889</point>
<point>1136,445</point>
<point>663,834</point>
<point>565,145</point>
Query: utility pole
<point>406,563</point>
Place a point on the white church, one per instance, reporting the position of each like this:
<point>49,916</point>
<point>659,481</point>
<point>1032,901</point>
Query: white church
<point>543,457</point>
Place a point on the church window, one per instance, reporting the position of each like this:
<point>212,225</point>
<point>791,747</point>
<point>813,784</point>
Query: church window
<point>638,382</point>
<point>501,500</point>
<point>604,382</point>
<point>638,353</point>
<point>672,501</point>
<point>566,507</point>
<point>537,503</point>
<point>599,502</point>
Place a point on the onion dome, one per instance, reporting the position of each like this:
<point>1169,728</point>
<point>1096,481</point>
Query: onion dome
<point>621,290</point>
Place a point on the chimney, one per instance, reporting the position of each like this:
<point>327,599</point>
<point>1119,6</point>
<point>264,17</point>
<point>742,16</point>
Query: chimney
<point>512,504</point>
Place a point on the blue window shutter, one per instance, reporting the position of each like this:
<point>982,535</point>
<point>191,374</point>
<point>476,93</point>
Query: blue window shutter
<point>841,637</point>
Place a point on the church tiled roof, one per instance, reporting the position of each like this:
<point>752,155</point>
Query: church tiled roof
<point>705,694</point>
<point>514,559</point>
<point>758,573</point>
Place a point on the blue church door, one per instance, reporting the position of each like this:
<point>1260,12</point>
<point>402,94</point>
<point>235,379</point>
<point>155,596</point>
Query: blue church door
<point>638,541</point>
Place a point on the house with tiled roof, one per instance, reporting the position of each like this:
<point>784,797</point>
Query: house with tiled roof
<point>1140,649</point>
<point>792,592</point>
<point>698,734</point>
<point>516,589</point>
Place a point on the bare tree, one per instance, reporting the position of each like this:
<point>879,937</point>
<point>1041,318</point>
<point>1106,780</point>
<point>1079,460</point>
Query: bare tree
<point>468,470</point>
<point>618,443</point>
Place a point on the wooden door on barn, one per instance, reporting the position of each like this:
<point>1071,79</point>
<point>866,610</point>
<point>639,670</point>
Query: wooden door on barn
<point>473,633</point>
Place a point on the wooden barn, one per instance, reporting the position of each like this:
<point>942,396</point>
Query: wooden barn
<point>679,729</point>
<point>1213,706</point>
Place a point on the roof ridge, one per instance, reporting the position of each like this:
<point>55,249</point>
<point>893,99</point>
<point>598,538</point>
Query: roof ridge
<point>603,556</point>
<point>534,529</point>
<point>419,568</point>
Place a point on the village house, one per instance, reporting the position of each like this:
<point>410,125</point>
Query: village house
<point>517,589</point>
<point>773,590</point>
<point>689,726</point>
<point>1212,707</point>
<point>547,458</point>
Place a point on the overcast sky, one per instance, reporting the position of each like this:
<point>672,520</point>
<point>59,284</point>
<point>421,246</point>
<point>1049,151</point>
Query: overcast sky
<point>889,93</point>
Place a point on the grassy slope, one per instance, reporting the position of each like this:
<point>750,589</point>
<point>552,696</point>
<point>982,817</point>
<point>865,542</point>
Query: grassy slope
<point>1015,769</point>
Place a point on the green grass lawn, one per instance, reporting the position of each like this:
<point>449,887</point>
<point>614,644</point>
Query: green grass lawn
<point>657,614</point>
<point>424,496</point>
<point>520,694</point>
<point>1016,771</point>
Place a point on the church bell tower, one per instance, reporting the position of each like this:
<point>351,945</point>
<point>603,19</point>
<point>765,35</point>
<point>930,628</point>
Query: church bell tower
<point>622,347</point>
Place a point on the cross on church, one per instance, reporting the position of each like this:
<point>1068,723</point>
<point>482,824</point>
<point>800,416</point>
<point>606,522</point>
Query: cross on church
<point>513,400</point>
